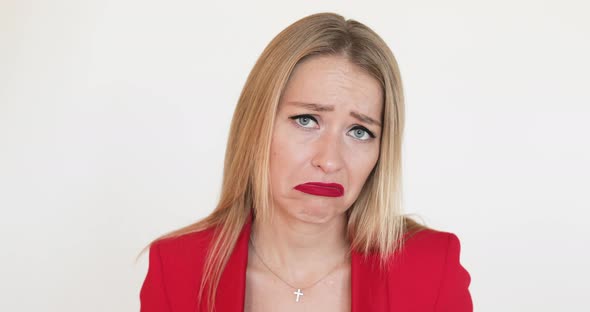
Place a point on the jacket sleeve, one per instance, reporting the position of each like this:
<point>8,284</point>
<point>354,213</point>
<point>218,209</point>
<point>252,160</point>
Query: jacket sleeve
<point>153,295</point>
<point>454,289</point>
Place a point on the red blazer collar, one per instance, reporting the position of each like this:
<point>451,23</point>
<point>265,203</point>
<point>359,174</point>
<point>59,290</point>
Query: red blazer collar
<point>369,284</point>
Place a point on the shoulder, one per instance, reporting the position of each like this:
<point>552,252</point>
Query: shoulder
<point>429,244</point>
<point>175,269</point>
<point>184,248</point>
<point>427,252</point>
<point>182,258</point>
<point>428,266</point>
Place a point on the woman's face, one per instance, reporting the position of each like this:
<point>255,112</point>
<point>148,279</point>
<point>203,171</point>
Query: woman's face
<point>327,129</point>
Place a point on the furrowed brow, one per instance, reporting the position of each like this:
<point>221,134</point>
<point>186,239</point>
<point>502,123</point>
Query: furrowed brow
<point>329,108</point>
<point>314,106</point>
<point>365,118</point>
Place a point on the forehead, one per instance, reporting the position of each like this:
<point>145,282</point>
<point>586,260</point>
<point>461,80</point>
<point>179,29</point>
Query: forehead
<point>334,80</point>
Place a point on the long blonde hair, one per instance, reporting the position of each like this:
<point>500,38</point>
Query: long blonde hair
<point>375,220</point>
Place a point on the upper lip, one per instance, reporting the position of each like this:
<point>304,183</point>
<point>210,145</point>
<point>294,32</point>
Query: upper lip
<point>336,185</point>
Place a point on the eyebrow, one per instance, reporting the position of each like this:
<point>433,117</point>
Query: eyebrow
<point>330,108</point>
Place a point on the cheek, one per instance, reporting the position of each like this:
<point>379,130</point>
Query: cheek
<point>362,163</point>
<point>286,157</point>
<point>371,161</point>
<point>288,147</point>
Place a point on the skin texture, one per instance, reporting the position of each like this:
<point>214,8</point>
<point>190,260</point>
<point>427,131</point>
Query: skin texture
<point>306,239</point>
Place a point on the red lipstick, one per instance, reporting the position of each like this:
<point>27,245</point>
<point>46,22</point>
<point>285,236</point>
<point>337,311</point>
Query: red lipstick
<point>321,189</point>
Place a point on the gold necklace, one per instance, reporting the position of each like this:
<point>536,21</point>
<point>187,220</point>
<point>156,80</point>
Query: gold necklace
<point>298,292</point>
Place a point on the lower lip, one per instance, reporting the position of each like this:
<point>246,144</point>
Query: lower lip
<point>320,190</point>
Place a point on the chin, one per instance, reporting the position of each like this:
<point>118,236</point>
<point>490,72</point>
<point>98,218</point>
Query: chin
<point>318,214</point>
<point>313,210</point>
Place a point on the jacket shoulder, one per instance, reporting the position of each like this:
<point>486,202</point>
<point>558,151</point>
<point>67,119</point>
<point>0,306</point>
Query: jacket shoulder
<point>428,266</point>
<point>185,244</point>
<point>184,254</point>
<point>427,243</point>
<point>181,261</point>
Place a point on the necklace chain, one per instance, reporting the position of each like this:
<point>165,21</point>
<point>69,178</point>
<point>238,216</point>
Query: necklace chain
<point>284,281</point>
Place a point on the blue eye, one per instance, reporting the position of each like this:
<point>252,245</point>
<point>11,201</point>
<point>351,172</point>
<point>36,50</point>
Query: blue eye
<point>361,133</point>
<point>303,120</point>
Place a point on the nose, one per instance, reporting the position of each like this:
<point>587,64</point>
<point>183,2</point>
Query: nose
<point>328,153</point>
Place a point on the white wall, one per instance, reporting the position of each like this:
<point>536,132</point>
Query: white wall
<point>114,117</point>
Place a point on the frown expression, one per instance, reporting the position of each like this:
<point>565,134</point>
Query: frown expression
<point>327,129</point>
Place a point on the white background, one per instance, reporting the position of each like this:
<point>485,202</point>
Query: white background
<point>114,117</point>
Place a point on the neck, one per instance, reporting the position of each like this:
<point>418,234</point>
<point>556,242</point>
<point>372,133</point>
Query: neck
<point>299,248</point>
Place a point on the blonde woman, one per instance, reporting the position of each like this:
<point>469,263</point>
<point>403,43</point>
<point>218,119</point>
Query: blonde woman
<point>309,217</point>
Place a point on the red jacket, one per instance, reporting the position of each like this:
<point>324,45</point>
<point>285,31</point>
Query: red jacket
<point>425,276</point>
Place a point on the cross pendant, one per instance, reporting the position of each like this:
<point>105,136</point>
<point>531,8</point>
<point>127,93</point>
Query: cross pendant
<point>298,293</point>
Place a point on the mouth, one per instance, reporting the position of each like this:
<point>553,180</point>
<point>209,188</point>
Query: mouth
<point>321,189</point>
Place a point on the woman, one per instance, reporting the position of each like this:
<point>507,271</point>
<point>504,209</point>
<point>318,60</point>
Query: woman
<point>309,217</point>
